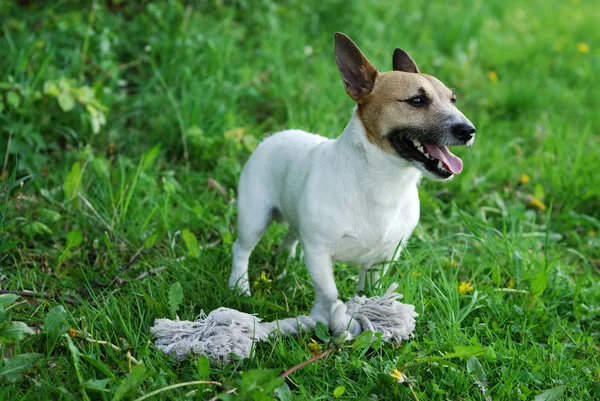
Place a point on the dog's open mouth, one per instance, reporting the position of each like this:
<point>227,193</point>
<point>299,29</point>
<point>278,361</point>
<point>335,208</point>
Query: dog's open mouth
<point>436,158</point>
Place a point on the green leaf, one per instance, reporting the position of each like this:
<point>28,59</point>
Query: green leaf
<point>195,136</point>
<point>99,365</point>
<point>4,316</point>
<point>552,394</point>
<point>56,320</point>
<point>283,393</point>
<point>152,238</point>
<point>191,243</point>
<point>250,142</point>
<point>540,282</point>
<point>97,118</point>
<point>7,299</point>
<point>339,391</point>
<point>363,341</point>
<point>72,181</point>
<point>14,367</point>
<point>85,94</point>
<point>257,381</point>
<point>175,297</point>
<point>66,101</point>
<point>474,368</point>
<point>235,134</point>
<point>150,157</point>
<point>49,215</point>
<point>51,89</point>
<point>490,354</point>
<point>132,381</point>
<point>203,367</point>
<point>36,228</point>
<point>96,385</point>
<point>13,99</point>
<point>74,238</point>
<point>465,351</point>
<point>15,331</point>
<point>75,355</point>
<point>101,166</point>
<point>322,332</point>
<point>538,192</point>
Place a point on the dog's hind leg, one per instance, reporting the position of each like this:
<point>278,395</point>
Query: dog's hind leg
<point>370,275</point>
<point>290,243</point>
<point>254,216</point>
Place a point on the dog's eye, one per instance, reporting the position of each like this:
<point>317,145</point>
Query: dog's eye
<point>417,101</point>
<point>453,99</point>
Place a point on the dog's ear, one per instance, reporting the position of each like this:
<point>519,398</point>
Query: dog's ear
<point>403,62</point>
<point>357,72</point>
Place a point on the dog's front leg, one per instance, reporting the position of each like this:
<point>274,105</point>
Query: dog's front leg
<point>320,267</point>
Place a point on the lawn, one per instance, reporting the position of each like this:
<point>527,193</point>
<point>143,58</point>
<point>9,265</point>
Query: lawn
<point>123,129</point>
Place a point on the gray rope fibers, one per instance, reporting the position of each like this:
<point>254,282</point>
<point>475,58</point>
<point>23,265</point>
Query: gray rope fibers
<point>227,331</point>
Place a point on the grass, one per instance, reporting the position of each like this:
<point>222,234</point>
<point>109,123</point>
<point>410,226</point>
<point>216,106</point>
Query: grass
<point>117,119</point>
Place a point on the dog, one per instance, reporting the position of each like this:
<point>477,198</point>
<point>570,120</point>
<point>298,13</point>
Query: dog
<point>353,199</point>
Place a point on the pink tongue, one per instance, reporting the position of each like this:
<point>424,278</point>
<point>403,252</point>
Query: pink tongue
<point>450,161</point>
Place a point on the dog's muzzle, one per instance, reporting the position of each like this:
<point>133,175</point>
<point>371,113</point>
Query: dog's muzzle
<point>464,132</point>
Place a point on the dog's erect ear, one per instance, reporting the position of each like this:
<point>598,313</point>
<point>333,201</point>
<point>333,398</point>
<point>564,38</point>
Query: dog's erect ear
<point>403,62</point>
<point>356,71</point>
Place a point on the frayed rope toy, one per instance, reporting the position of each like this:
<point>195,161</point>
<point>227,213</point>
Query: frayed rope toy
<point>226,331</point>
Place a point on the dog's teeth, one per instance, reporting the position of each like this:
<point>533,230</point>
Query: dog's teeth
<point>427,155</point>
<point>440,166</point>
<point>416,143</point>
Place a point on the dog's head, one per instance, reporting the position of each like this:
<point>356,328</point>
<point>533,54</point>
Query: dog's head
<point>405,113</point>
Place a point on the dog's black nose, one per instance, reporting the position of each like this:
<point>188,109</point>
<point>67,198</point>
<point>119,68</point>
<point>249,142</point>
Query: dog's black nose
<point>464,132</point>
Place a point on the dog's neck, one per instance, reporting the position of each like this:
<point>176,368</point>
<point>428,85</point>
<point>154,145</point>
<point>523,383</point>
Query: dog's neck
<point>383,176</point>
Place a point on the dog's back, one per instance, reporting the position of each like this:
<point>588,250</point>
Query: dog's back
<point>275,157</point>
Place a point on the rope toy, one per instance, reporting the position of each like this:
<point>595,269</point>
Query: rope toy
<point>227,331</point>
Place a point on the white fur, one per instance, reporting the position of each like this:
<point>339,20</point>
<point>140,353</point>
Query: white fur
<point>344,200</point>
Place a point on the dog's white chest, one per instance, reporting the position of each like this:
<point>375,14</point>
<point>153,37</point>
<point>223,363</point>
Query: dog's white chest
<point>374,237</point>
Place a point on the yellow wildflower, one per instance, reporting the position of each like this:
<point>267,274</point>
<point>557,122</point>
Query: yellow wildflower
<point>72,332</point>
<point>492,76</point>
<point>263,283</point>
<point>263,277</point>
<point>399,376</point>
<point>583,48</point>
<point>592,233</point>
<point>524,179</point>
<point>536,204</point>
<point>511,283</point>
<point>464,288</point>
<point>314,347</point>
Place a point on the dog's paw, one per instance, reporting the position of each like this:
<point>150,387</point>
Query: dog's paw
<point>340,321</point>
<point>242,291</point>
<point>240,286</point>
<point>320,315</point>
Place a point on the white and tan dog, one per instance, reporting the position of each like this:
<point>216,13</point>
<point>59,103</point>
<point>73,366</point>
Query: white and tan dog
<point>353,199</point>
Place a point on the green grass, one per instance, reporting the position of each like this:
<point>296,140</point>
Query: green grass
<point>99,216</point>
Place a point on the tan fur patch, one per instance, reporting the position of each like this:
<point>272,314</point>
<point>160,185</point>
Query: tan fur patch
<point>384,108</point>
